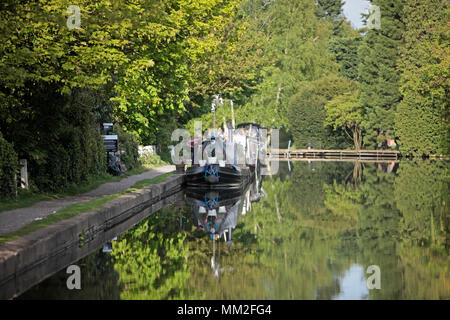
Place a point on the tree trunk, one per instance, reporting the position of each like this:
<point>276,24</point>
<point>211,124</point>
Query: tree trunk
<point>357,137</point>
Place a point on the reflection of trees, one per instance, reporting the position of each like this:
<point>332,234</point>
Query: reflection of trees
<point>426,272</point>
<point>421,193</point>
<point>402,227</point>
<point>324,225</point>
<point>343,202</point>
<point>357,173</point>
<point>377,234</point>
<point>308,185</point>
<point>377,241</point>
<point>275,256</point>
<point>151,259</point>
<point>296,251</point>
<point>99,280</point>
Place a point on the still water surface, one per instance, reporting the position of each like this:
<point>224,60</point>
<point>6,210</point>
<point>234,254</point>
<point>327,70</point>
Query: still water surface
<point>306,233</point>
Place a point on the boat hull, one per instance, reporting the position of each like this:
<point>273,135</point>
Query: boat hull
<point>213,176</point>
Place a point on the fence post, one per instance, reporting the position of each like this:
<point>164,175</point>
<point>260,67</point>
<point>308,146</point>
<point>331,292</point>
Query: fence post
<point>15,184</point>
<point>24,174</point>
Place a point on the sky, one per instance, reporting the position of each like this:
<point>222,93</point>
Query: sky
<point>353,10</point>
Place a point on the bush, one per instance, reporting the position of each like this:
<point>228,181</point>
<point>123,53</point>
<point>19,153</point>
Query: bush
<point>58,136</point>
<point>77,154</point>
<point>151,160</point>
<point>163,138</point>
<point>64,147</point>
<point>8,168</point>
<point>307,115</point>
<point>129,144</point>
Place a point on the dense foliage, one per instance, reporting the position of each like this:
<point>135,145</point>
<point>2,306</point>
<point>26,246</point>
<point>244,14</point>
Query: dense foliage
<point>65,146</point>
<point>128,146</point>
<point>131,63</point>
<point>379,76</point>
<point>401,74</point>
<point>345,112</point>
<point>152,65</point>
<point>422,119</point>
<point>307,113</point>
<point>8,167</point>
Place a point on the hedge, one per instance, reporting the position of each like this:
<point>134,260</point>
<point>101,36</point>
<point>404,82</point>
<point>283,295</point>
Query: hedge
<point>8,168</point>
<point>71,159</point>
<point>129,144</point>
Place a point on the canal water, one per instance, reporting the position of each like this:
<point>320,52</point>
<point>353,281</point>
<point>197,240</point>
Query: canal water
<point>318,230</point>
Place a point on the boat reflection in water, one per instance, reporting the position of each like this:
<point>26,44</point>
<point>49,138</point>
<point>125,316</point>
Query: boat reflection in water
<point>216,213</point>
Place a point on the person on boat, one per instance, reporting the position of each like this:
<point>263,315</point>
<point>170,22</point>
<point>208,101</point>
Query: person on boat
<point>240,137</point>
<point>240,140</point>
<point>215,148</point>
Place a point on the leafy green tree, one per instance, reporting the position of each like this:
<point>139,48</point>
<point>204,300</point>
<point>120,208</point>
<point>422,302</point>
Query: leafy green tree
<point>307,112</point>
<point>379,74</point>
<point>51,81</point>
<point>128,146</point>
<point>329,8</point>
<point>167,42</point>
<point>345,112</point>
<point>346,51</point>
<point>8,167</point>
<point>233,67</point>
<point>297,48</point>
<point>151,259</point>
<point>422,119</point>
<point>332,11</point>
<point>129,62</point>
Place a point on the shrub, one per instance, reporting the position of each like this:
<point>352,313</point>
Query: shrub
<point>163,138</point>
<point>8,168</point>
<point>57,134</point>
<point>151,160</point>
<point>71,159</point>
<point>129,144</point>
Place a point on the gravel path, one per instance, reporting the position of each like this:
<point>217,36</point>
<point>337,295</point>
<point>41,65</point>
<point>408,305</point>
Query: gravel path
<point>15,219</point>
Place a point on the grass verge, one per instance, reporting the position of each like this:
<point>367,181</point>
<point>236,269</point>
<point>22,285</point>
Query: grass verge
<point>77,208</point>
<point>27,198</point>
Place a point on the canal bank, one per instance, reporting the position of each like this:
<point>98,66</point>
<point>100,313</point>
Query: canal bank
<point>34,257</point>
<point>18,218</point>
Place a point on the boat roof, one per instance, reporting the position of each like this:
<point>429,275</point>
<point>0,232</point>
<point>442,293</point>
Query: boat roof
<point>246,124</point>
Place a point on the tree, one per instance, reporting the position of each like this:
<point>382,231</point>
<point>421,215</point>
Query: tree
<point>130,63</point>
<point>297,48</point>
<point>378,73</point>
<point>8,168</point>
<point>345,112</point>
<point>332,11</point>
<point>307,111</point>
<point>152,259</point>
<point>422,119</point>
<point>233,67</point>
<point>346,51</point>
<point>166,43</point>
